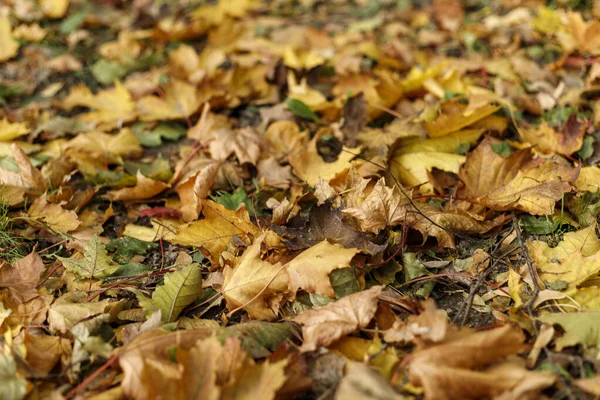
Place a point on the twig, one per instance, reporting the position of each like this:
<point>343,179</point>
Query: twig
<point>92,377</point>
<point>530,266</point>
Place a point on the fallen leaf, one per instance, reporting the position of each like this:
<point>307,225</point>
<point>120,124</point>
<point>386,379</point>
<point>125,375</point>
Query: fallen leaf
<point>181,288</point>
<point>589,385</point>
<point>566,142</point>
<point>361,382</point>
<point>12,385</point>
<point>144,188</point>
<point>10,131</point>
<point>113,106</point>
<point>310,269</point>
<point>22,277</point>
<point>324,325</point>
<point>9,47</point>
<point>180,101</point>
<point>53,215</point>
<point>72,308</point>
<point>383,207</point>
<point>446,124</point>
<point>96,262</point>
<point>519,181</point>
<point>54,8</point>
<point>580,328</point>
<point>309,166</point>
<point>255,284</point>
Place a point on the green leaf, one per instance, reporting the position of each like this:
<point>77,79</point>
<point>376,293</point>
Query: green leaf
<point>73,22</point>
<point>132,269</point>
<point>413,268</point>
<point>260,338</point>
<point>587,148</point>
<point>12,386</point>
<point>300,109</point>
<point>542,225</point>
<point>106,72</point>
<point>126,247</point>
<point>233,200</point>
<point>96,262</point>
<point>502,149</point>
<point>181,288</point>
<point>580,328</point>
<point>159,169</point>
<point>155,137</point>
<point>344,282</point>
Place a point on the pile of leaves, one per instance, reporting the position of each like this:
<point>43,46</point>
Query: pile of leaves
<point>299,199</point>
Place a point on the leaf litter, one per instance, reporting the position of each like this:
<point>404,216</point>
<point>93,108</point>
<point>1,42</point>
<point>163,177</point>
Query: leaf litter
<point>346,199</point>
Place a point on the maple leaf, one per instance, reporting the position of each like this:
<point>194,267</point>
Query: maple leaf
<point>181,288</point>
<point>310,269</point>
<point>547,140</point>
<point>519,181</point>
<point>96,262</point>
<point>22,277</point>
<point>580,328</point>
<point>255,284</point>
<point>383,207</point>
<point>144,188</point>
<point>309,166</point>
<point>113,106</point>
<point>581,248</point>
<point>53,215</point>
<point>180,101</point>
<point>322,326</point>
<point>215,231</point>
<point>245,144</point>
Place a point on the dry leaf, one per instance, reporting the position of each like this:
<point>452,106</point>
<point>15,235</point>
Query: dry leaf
<point>145,188</point>
<point>324,325</point>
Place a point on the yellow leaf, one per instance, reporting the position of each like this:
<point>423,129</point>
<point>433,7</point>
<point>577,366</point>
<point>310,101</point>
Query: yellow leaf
<point>309,166</point>
<point>144,188</point>
<point>412,169</point>
<point>255,284</point>
<point>180,101</point>
<point>445,144</point>
<point>547,140</point>
<point>181,288</point>
<point>53,215</point>
<point>260,381</point>
<point>547,21</point>
<point>310,269</point>
<point>356,349</point>
<point>515,287</point>
<point>516,182</point>
<point>445,124</point>
<point>10,131</point>
<point>9,47</point>
<point>30,175</point>
<point>54,8</point>
<point>555,264</point>
<point>215,231</point>
<point>301,59</point>
<point>113,106</point>
<point>588,179</point>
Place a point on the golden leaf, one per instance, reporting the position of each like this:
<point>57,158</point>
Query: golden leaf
<point>180,101</point>
<point>144,188</point>
<point>255,284</point>
<point>9,47</point>
<point>10,131</point>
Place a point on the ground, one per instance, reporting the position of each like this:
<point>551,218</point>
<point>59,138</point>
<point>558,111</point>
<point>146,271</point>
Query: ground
<point>299,199</point>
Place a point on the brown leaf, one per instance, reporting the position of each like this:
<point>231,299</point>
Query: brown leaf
<point>244,143</point>
<point>53,215</point>
<point>519,181</point>
<point>326,224</point>
<point>22,277</point>
<point>383,207</point>
<point>565,142</point>
<point>31,175</point>
<point>354,113</point>
<point>324,325</point>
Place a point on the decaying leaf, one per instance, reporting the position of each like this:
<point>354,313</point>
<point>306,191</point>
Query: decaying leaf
<point>322,326</point>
